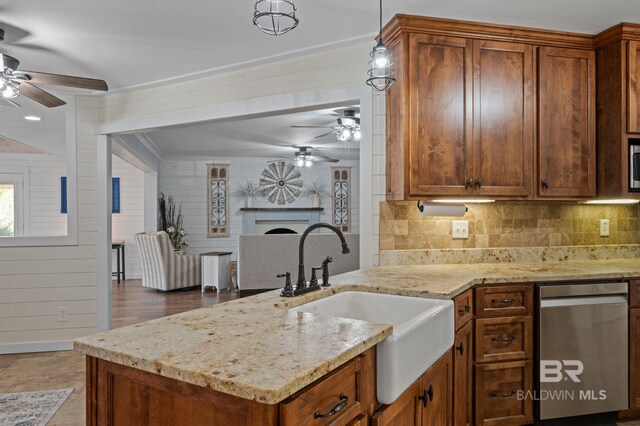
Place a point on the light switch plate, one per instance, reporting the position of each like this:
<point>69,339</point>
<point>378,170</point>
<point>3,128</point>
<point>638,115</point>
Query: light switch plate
<point>604,227</point>
<point>460,229</point>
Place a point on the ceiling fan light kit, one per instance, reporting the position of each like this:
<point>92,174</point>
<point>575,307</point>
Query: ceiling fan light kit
<point>381,72</point>
<point>275,17</point>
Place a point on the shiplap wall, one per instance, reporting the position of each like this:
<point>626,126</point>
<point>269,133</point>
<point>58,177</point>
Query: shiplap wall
<point>35,281</point>
<point>186,181</point>
<point>43,212</point>
<point>130,220</point>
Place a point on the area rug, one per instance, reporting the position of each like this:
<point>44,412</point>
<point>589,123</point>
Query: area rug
<point>31,408</point>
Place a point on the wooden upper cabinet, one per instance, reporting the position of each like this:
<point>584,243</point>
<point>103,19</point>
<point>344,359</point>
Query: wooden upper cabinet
<point>633,87</point>
<point>503,118</point>
<point>440,81</point>
<point>566,123</point>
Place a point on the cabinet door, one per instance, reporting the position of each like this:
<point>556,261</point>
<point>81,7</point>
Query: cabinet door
<point>440,81</point>
<point>503,118</point>
<point>633,87</point>
<point>634,358</point>
<point>503,394</point>
<point>462,376</point>
<point>405,411</point>
<point>436,382</point>
<point>566,123</point>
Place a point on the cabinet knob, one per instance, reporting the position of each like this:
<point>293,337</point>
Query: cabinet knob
<point>465,310</point>
<point>427,395</point>
<point>460,348</point>
<point>469,183</point>
<point>479,183</point>
<point>545,184</point>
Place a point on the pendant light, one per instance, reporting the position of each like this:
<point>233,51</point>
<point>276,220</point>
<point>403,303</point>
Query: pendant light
<point>381,72</point>
<point>275,17</point>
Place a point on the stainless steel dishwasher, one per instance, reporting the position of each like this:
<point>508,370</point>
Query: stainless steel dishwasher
<point>582,349</point>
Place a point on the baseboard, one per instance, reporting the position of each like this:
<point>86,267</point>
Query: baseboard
<point>21,348</point>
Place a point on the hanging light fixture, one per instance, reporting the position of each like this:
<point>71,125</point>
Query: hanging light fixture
<point>275,17</point>
<point>381,72</point>
<point>9,89</point>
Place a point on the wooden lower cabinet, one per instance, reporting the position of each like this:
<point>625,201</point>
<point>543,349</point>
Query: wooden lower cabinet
<point>426,403</point>
<point>500,391</point>
<point>121,395</point>
<point>634,358</point>
<point>462,376</point>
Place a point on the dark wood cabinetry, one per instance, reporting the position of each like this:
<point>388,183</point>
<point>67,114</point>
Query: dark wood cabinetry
<point>503,356</point>
<point>566,123</point>
<point>618,98</point>
<point>463,376</point>
<point>426,403</point>
<point>634,345</point>
<point>461,119</point>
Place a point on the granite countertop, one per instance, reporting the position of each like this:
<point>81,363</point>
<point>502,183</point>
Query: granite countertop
<point>255,348</point>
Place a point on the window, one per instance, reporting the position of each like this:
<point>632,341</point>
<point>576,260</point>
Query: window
<point>11,205</point>
<point>7,210</point>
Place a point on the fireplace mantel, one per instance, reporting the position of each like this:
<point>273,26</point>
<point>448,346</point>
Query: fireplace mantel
<point>283,217</point>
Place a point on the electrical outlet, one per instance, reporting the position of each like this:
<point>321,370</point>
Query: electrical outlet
<point>460,229</point>
<point>63,314</point>
<point>604,227</point>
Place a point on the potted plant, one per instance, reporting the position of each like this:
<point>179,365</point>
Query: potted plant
<point>316,190</point>
<point>171,222</point>
<point>247,192</point>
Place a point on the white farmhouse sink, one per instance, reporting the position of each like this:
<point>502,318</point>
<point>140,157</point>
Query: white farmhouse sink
<point>423,331</point>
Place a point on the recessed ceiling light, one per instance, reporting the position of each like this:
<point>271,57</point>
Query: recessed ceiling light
<point>32,118</point>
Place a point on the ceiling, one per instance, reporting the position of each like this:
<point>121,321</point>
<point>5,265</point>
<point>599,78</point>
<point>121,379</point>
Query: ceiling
<point>267,137</point>
<point>132,43</point>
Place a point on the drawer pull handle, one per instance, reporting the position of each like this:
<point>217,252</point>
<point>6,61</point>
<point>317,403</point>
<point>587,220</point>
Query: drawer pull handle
<point>504,339</point>
<point>344,400</point>
<point>426,396</point>
<point>464,310</point>
<point>502,395</point>
<point>504,301</point>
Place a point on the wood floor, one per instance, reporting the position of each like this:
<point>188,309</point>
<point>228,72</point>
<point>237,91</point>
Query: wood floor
<point>132,303</point>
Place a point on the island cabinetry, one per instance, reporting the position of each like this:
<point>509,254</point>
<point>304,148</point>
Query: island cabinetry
<point>121,395</point>
<point>426,403</point>
<point>503,366</point>
<point>634,346</point>
<point>462,404</point>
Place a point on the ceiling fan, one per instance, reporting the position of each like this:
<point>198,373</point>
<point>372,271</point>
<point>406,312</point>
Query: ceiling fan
<point>304,157</point>
<point>347,129</point>
<point>14,83</point>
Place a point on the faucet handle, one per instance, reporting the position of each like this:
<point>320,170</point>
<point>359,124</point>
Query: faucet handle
<point>287,291</point>
<point>314,277</point>
<point>325,271</point>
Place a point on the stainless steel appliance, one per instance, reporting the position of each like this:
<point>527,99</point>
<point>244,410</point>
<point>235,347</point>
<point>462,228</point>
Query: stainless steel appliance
<point>634,167</point>
<point>582,349</point>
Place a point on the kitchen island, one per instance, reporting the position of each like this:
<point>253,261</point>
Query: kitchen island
<point>256,350</point>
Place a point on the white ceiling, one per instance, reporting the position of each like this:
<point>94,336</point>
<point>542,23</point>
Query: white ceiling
<point>267,137</point>
<point>135,42</point>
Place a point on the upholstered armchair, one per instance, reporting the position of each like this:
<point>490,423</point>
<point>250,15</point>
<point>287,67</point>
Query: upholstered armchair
<point>163,268</point>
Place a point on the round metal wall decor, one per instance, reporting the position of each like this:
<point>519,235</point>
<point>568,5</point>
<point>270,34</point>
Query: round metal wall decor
<point>280,183</point>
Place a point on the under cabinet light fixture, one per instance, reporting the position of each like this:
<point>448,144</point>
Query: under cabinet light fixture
<point>611,201</point>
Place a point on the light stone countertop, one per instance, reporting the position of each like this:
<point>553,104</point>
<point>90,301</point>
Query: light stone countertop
<point>255,348</point>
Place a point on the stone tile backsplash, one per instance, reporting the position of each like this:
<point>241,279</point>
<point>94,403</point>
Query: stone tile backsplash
<point>509,224</point>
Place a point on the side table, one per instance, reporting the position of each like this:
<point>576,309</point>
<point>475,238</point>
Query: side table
<point>216,270</point>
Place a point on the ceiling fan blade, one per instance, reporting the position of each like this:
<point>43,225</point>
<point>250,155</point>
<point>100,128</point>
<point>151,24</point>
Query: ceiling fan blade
<point>312,127</point>
<point>323,159</point>
<point>67,80</point>
<point>40,96</point>
<point>323,135</point>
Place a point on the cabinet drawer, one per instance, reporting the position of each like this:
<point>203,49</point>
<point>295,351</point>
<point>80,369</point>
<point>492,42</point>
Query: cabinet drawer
<point>463,308</point>
<point>501,394</point>
<point>502,339</point>
<point>503,301</point>
<point>634,293</point>
<point>337,392</point>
